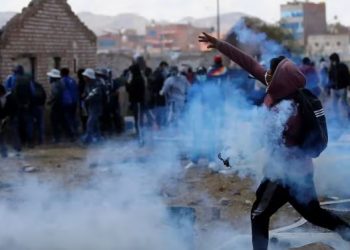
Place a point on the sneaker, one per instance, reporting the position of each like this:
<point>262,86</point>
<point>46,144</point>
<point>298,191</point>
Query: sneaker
<point>191,164</point>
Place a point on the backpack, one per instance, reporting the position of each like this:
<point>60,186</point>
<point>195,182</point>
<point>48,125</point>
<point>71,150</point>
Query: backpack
<point>315,138</point>
<point>68,92</point>
<point>38,94</point>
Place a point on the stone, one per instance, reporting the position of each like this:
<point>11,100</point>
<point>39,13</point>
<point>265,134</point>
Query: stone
<point>225,201</point>
<point>248,202</point>
<point>30,169</point>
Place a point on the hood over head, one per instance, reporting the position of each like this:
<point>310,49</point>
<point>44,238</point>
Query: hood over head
<point>286,80</point>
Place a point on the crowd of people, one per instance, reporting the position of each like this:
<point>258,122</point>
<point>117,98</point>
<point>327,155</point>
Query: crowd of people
<point>87,109</point>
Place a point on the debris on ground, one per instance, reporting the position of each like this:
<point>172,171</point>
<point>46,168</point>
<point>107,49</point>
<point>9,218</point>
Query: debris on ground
<point>29,169</point>
<point>225,201</point>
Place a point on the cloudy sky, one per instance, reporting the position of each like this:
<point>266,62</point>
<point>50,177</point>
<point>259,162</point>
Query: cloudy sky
<point>176,9</point>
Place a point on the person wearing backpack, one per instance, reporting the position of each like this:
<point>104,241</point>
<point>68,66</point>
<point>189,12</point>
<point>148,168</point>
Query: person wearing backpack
<point>38,109</point>
<point>288,175</point>
<point>70,96</point>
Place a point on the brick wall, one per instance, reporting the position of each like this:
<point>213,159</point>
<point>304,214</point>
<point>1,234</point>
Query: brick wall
<point>45,30</point>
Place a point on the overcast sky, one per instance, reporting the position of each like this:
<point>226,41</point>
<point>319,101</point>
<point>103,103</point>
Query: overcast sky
<point>176,9</point>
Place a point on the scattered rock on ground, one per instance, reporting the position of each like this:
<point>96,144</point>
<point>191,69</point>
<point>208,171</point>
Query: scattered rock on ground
<point>225,201</point>
<point>29,169</point>
<point>248,202</point>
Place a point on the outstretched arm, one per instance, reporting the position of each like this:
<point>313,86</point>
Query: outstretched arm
<point>238,56</point>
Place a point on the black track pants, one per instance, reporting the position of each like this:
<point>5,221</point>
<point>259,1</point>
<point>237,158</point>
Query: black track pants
<point>271,195</point>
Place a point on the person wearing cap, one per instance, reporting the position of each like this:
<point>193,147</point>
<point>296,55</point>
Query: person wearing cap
<point>93,100</point>
<point>175,91</point>
<point>106,87</point>
<point>55,102</point>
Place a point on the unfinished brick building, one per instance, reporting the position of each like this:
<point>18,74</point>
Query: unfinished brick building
<point>47,34</point>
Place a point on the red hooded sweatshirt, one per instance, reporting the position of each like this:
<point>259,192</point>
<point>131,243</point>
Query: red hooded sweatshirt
<point>286,80</point>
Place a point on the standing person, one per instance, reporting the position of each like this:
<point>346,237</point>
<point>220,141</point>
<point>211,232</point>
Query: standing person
<point>339,80</point>
<point>55,101</point>
<point>106,87</point>
<point>323,76</point>
<point>149,111</point>
<point>70,97</point>
<point>312,80</point>
<point>82,106</point>
<point>155,84</point>
<point>8,112</point>
<point>38,109</point>
<point>118,119</point>
<point>93,101</point>
<point>175,91</point>
<point>23,94</point>
<point>289,173</point>
<point>14,120</point>
<point>136,89</point>
<point>191,76</point>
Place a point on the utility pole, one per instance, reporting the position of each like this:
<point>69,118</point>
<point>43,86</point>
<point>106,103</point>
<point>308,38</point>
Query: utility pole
<point>218,19</point>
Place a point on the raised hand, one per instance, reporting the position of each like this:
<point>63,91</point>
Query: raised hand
<point>208,39</point>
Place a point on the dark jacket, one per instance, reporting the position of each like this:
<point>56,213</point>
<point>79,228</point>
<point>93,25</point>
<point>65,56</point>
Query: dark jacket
<point>136,88</point>
<point>10,108</point>
<point>55,99</point>
<point>93,97</point>
<point>286,80</point>
<point>339,77</point>
<point>155,85</point>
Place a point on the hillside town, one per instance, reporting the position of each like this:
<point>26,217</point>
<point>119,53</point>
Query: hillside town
<point>221,132</point>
